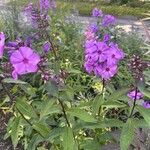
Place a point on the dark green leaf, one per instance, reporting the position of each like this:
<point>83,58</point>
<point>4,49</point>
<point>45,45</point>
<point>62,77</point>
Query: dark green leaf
<point>35,140</point>
<point>42,129</point>
<point>15,131</point>
<point>10,80</point>
<point>52,88</point>
<point>118,94</point>
<point>49,108</point>
<point>98,101</point>
<point>68,139</point>
<point>103,124</point>
<point>28,89</point>
<point>145,113</point>
<point>113,104</point>
<point>81,114</point>
<point>127,134</point>
<point>25,109</point>
<point>55,133</point>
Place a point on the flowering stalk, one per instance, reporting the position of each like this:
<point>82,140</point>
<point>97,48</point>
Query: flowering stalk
<point>64,112</point>
<point>134,103</point>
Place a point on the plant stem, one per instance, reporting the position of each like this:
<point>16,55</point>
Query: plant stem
<point>103,87</point>
<point>134,103</point>
<point>7,92</point>
<point>64,112</point>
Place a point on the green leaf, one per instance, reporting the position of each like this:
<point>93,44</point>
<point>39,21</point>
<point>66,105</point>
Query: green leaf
<point>35,140</point>
<point>11,80</point>
<point>68,139</point>
<point>107,123</point>
<point>118,94</point>
<point>113,104</point>
<point>140,123</point>
<point>49,108</point>
<point>15,131</point>
<point>25,109</point>
<point>67,94</point>
<point>28,89</point>
<point>42,129</point>
<point>52,88</point>
<point>91,144</point>
<point>144,91</point>
<point>145,113</point>
<point>98,101</point>
<point>74,71</point>
<point>56,132</point>
<point>81,114</point>
<point>127,134</point>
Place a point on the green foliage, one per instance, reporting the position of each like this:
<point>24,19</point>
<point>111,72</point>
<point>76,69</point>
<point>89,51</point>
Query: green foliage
<point>85,8</point>
<point>74,113</point>
<point>68,139</point>
<point>127,134</point>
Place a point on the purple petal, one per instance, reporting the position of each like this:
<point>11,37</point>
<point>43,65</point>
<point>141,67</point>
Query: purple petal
<point>20,68</point>
<point>16,57</point>
<point>34,59</point>
<point>31,68</point>
<point>26,51</point>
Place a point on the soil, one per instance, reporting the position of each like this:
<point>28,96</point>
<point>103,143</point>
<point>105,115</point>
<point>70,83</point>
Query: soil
<point>4,144</point>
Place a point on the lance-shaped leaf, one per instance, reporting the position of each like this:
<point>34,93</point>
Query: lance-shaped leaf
<point>145,113</point>
<point>81,114</point>
<point>68,139</point>
<point>25,109</point>
<point>15,129</point>
<point>127,134</point>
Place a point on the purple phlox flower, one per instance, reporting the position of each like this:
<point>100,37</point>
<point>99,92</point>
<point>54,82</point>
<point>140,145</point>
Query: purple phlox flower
<point>106,37</point>
<point>146,104</point>
<point>28,41</point>
<point>46,47</point>
<point>89,35</point>
<point>24,61</point>
<point>96,51</point>
<point>97,12</point>
<point>132,95</point>
<point>89,67</point>
<point>114,54</point>
<point>28,8</point>
<point>32,14</point>
<point>44,5</point>
<point>90,46</point>
<point>108,20</point>
<point>107,71</point>
<point>14,45</point>
<point>2,43</point>
<point>102,49</point>
<point>94,27</point>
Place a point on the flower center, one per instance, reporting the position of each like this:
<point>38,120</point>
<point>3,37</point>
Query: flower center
<point>25,60</point>
<point>113,55</point>
<point>107,69</point>
<point>99,52</point>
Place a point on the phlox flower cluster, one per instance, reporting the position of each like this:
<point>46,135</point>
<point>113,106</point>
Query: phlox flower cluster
<point>101,55</point>
<point>2,43</point>
<point>39,16</point>
<point>139,96</point>
<point>22,58</point>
